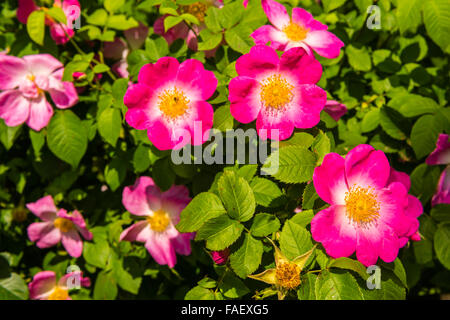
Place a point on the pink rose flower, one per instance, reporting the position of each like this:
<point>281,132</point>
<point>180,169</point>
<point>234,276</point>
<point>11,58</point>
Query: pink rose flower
<point>24,81</point>
<point>370,210</point>
<point>45,287</point>
<point>162,212</point>
<point>280,93</point>
<point>335,109</point>
<point>169,101</point>
<point>57,226</point>
<point>441,155</point>
<point>60,33</point>
<point>302,30</point>
<point>182,31</point>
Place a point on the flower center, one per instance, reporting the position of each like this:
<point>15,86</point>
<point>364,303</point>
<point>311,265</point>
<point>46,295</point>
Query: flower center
<point>197,9</point>
<point>362,205</point>
<point>276,91</point>
<point>63,224</point>
<point>173,103</point>
<point>159,221</point>
<point>295,32</point>
<point>59,294</point>
<point>288,275</point>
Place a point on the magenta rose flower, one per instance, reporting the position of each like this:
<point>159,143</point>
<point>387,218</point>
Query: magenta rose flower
<point>370,210</point>
<point>280,93</point>
<point>60,33</point>
<point>162,212</point>
<point>300,30</point>
<point>45,287</point>
<point>57,226</point>
<point>220,257</point>
<point>441,155</point>
<point>169,101</point>
<point>23,83</point>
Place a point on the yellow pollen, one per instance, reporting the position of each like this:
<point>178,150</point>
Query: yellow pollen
<point>63,224</point>
<point>288,275</point>
<point>159,221</point>
<point>173,103</point>
<point>276,92</point>
<point>295,32</point>
<point>31,77</point>
<point>362,205</point>
<point>197,9</point>
<point>59,294</point>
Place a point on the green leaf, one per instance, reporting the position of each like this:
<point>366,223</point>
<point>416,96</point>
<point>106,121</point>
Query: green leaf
<point>13,288</point>
<point>238,38</point>
<point>441,212</point>
<point>264,224</point>
<point>295,240</point>
<point>36,26</point>
<point>67,138</point>
<point>247,258</point>
<point>309,197</point>
<point>223,120</point>
<point>156,48</point>
<point>8,134</point>
<point>300,139</point>
<point>113,5</point>
<point>370,121</point>
<point>105,286</point>
<point>203,207</point>
<point>219,232</point>
<point>266,192</point>
<point>212,19</point>
<point>142,158</point>
<point>230,14</point>
<point>199,293</point>
<point>393,123</point>
<point>109,125</point>
<point>349,264</point>
<point>96,253</point>
<point>359,59</point>
<point>408,15</point>
<point>232,287</point>
<point>330,5</point>
<point>290,164</point>
<point>237,196</point>
<point>303,218</point>
<point>424,134</point>
<point>100,68</point>
<point>121,22</point>
<point>37,141</point>
<point>441,241</point>
<point>58,14</point>
<point>307,289</point>
<point>337,286</point>
<point>99,17</point>
<point>115,173</point>
<point>171,21</point>
<point>412,105</point>
<point>436,16</point>
<point>210,40</point>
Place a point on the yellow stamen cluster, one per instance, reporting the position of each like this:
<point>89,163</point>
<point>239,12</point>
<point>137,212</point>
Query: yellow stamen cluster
<point>59,294</point>
<point>173,103</point>
<point>32,78</point>
<point>197,9</point>
<point>65,225</point>
<point>295,32</point>
<point>276,91</point>
<point>159,221</point>
<point>288,275</point>
<point>362,205</point>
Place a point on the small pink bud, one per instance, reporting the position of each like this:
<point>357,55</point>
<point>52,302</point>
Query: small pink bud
<point>220,257</point>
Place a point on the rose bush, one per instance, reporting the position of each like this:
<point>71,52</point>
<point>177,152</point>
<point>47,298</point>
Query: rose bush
<point>132,139</point>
